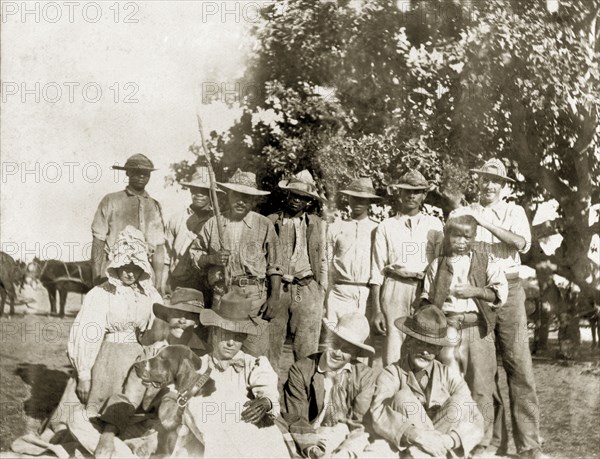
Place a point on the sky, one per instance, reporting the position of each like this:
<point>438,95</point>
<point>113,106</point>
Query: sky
<point>86,85</point>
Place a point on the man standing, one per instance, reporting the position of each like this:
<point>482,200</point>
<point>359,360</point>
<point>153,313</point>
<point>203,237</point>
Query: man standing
<point>404,245</point>
<point>349,245</point>
<point>132,206</point>
<point>304,264</point>
<point>182,229</point>
<point>504,232</point>
<point>247,253</point>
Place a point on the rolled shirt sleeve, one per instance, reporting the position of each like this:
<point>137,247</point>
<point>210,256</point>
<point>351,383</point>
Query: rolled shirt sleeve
<point>520,226</point>
<point>496,280</point>
<point>429,279</point>
<point>100,224</point>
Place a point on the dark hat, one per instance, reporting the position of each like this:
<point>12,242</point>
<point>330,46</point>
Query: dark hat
<point>493,168</point>
<point>186,302</point>
<point>301,183</point>
<point>136,162</point>
<point>428,324</point>
<point>244,182</point>
<point>361,188</point>
<point>412,180</point>
<point>234,314</point>
<point>354,329</point>
<point>200,179</point>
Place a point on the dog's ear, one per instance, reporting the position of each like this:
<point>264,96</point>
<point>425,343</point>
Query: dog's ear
<point>186,373</point>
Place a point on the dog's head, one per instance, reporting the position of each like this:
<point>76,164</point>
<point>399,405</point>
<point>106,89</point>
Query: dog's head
<point>175,364</point>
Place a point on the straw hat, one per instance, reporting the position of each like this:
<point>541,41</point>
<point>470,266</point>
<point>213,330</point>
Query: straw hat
<point>200,179</point>
<point>493,168</point>
<point>412,180</point>
<point>244,182</point>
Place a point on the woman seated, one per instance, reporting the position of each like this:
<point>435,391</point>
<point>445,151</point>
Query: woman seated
<point>237,419</point>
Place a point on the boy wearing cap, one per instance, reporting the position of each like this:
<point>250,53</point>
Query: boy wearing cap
<point>404,245</point>
<point>181,231</point>
<point>504,232</point>
<point>421,405</point>
<point>349,246</point>
<point>304,266</point>
<point>327,394</point>
<point>469,287</point>
<point>226,422</point>
<point>247,251</point>
<point>127,423</point>
<point>132,206</point>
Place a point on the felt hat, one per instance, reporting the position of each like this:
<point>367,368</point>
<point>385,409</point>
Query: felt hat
<point>234,314</point>
<point>244,182</point>
<point>184,302</point>
<point>428,324</point>
<point>136,162</point>
<point>361,188</point>
<point>301,183</point>
<point>354,329</point>
<point>200,179</point>
<point>412,180</point>
<point>493,168</point>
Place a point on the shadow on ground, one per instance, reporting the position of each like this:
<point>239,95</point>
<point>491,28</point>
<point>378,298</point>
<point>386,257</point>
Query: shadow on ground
<point>47,386</point>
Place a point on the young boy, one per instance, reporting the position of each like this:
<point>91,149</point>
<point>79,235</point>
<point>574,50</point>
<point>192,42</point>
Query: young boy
<point>468,287</point>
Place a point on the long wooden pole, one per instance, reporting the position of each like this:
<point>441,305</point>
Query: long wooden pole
<point>213,195</point>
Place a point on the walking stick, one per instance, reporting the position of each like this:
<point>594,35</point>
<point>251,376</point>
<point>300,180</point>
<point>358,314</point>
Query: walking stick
<point>214,198</point>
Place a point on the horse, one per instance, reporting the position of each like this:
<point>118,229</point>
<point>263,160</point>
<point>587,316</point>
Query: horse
<point>62,277</point>
<point>12,274</point>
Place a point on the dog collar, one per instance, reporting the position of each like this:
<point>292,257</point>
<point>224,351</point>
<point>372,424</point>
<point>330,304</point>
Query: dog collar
<point>184,396</point>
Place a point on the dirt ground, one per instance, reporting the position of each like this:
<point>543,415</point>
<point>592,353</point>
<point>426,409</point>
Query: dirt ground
<point>34,369</point>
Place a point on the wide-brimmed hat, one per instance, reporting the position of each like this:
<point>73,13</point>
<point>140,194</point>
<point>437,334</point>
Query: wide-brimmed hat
<point>136,162</point>
<point>412,180</point>
<point>428,324</point>
<point>184,302</point>
<point>493,168</point>
<point>361,188</point>
<point>200,179</point>
<point>301,183</point>
<point>233,313</point>
<point>354,329</point>
<point>244,182</point>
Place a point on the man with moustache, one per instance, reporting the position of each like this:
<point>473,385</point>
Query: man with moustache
<point>404,245</point>
<point>132,206</point>
<point>248,251</point>
<point>302,242</point>
<point>504,232</point>
<point>182,229</point>
<point>349,245</point>
<point>422,407</point>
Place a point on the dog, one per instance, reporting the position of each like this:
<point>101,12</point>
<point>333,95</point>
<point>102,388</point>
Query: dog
<point>180,366</point>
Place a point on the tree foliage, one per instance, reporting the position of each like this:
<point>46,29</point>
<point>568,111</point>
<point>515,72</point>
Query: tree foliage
<point>353,88</point>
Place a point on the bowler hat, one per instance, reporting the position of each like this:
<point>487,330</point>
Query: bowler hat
<point>361,188</point>
<point>353,328</point>
<point>493,168</point>
<point>243,182</point>
<point>233,313</point>
<point>301,183</point>
<point>136,162</point>
<point>428,324</point>
<point>412,180</point>
<point>186,302</point>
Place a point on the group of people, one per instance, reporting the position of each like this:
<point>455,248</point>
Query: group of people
<point>431,302</point>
